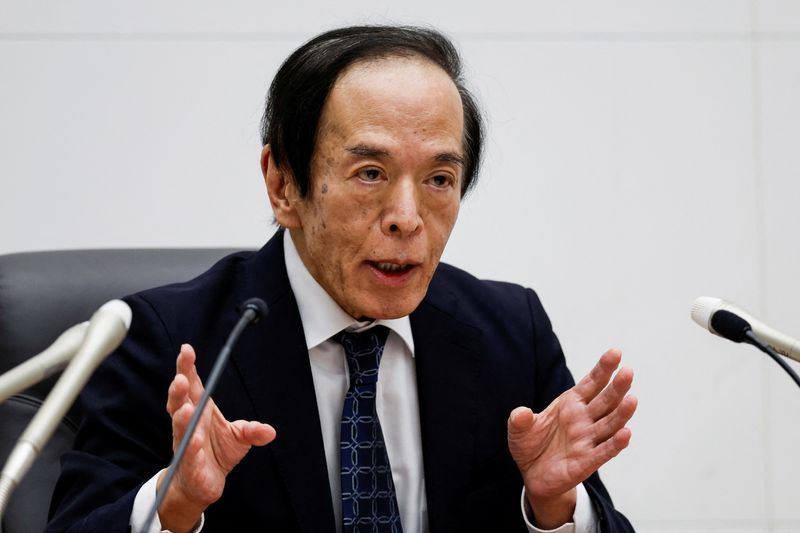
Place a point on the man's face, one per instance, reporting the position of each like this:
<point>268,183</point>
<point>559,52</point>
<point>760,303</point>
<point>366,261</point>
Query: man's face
<point>385,186</point>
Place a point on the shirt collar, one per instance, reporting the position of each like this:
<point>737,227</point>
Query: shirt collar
<point>321,316</point>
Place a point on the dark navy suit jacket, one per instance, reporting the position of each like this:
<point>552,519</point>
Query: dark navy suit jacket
<point>481,349</point>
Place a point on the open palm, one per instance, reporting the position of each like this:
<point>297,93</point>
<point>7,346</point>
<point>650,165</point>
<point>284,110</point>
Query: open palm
<point>578,432</point>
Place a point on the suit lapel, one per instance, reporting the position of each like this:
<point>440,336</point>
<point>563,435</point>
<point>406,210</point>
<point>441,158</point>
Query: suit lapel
<point>447,356</point>
<point>273,364</point>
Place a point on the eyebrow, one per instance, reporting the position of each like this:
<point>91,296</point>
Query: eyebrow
<point>368,151</point>
<point>450,157</point>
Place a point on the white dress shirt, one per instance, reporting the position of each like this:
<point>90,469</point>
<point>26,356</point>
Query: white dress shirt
<point>397,406</point>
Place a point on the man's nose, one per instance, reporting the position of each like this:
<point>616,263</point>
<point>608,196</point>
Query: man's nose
<point>401,216</point>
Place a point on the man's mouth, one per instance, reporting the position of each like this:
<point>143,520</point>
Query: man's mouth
<point>391,268</point>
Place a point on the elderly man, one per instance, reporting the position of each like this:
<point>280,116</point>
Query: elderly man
<point>401,393</point>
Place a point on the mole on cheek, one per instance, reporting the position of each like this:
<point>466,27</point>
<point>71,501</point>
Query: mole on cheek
<point>324,188</point>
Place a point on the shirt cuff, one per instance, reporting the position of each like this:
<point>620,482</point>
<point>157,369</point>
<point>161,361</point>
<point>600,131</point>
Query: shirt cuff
<point>584,518</point>
<point>144,501</point>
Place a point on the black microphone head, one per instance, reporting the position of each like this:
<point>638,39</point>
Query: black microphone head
<point>730,325</point>
<point>258,306</point>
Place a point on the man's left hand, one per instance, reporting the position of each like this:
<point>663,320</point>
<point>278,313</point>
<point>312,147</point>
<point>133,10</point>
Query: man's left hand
<point>576,434</point>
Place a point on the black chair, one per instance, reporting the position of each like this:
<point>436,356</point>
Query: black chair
<point>41,295</point>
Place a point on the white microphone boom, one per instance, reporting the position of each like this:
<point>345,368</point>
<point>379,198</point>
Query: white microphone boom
<point>703,310</point>
<point>107,327</point>
<point>43,365</point>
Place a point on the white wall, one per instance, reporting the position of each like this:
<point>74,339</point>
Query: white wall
<point>641,153</point>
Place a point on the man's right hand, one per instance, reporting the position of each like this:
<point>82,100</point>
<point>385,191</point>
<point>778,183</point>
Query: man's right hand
<point>215,448</point>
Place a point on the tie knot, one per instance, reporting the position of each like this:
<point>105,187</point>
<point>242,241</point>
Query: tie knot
<point>363,350</point>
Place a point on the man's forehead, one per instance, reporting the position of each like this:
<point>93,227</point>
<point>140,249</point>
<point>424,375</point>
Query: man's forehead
<point>399,91</point>
<point>391,78</point>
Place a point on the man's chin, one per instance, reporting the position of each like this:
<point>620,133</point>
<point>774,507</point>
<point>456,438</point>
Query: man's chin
<point>387,309</point>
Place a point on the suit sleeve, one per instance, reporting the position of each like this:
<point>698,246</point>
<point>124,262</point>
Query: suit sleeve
<point>124,436</point>
<point>553,378</point>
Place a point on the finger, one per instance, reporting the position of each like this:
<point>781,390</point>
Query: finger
<point>611,424</point>
<point>178,394</point>
<point>185,365</point>
<point>253,433</point>
<point>605,451</point>
<point>180,421</point>
<point>519,421</point>
<point>608,449</point>
<point>611,396</point>
<point>597,379</point>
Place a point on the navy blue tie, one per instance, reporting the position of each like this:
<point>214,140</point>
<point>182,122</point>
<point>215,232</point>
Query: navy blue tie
<point>368,497</point>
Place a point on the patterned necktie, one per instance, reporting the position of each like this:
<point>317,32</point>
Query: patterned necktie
<point>368,498</point>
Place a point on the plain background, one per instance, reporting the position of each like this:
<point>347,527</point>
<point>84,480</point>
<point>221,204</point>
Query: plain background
<point>640,153</point>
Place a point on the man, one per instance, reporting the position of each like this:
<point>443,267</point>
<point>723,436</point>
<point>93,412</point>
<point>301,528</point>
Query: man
<point>370,141</point>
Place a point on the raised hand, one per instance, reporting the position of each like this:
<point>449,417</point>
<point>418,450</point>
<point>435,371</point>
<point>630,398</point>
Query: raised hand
<point>215,448</point>
<point>576,434</point>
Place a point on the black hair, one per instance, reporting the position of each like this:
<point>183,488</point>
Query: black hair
<point>301,86</point>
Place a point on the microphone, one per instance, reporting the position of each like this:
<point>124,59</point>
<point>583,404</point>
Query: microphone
<point>106,329</point>
<point>252,310</point>
<point>43,365</point>
<point>730,326</point>
<point>706,307</point>
<point>733,327</point>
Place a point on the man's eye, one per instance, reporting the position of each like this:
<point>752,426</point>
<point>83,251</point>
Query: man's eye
<point>370,174</point>
<point>441,180</point>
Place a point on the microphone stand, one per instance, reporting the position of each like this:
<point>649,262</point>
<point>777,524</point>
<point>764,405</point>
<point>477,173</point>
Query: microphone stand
<point>253,310</point>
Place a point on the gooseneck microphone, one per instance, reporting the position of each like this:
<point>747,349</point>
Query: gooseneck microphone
<point>728,324</point>
<point>107,327</point>
<point>41,366</point>
<point>705,307</point>
<point>253,310</point>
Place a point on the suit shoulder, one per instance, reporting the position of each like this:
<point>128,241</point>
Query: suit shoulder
<point>472,297</point>
<point>217,276</point>
<point>196,297</point>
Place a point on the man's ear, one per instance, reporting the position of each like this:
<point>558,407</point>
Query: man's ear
<point>282,192</point>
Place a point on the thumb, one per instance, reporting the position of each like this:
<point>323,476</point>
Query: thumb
<point>253,433</point>
<point>520,421</point>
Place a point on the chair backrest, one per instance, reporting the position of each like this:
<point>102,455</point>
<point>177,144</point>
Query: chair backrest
<point>41,295</point>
